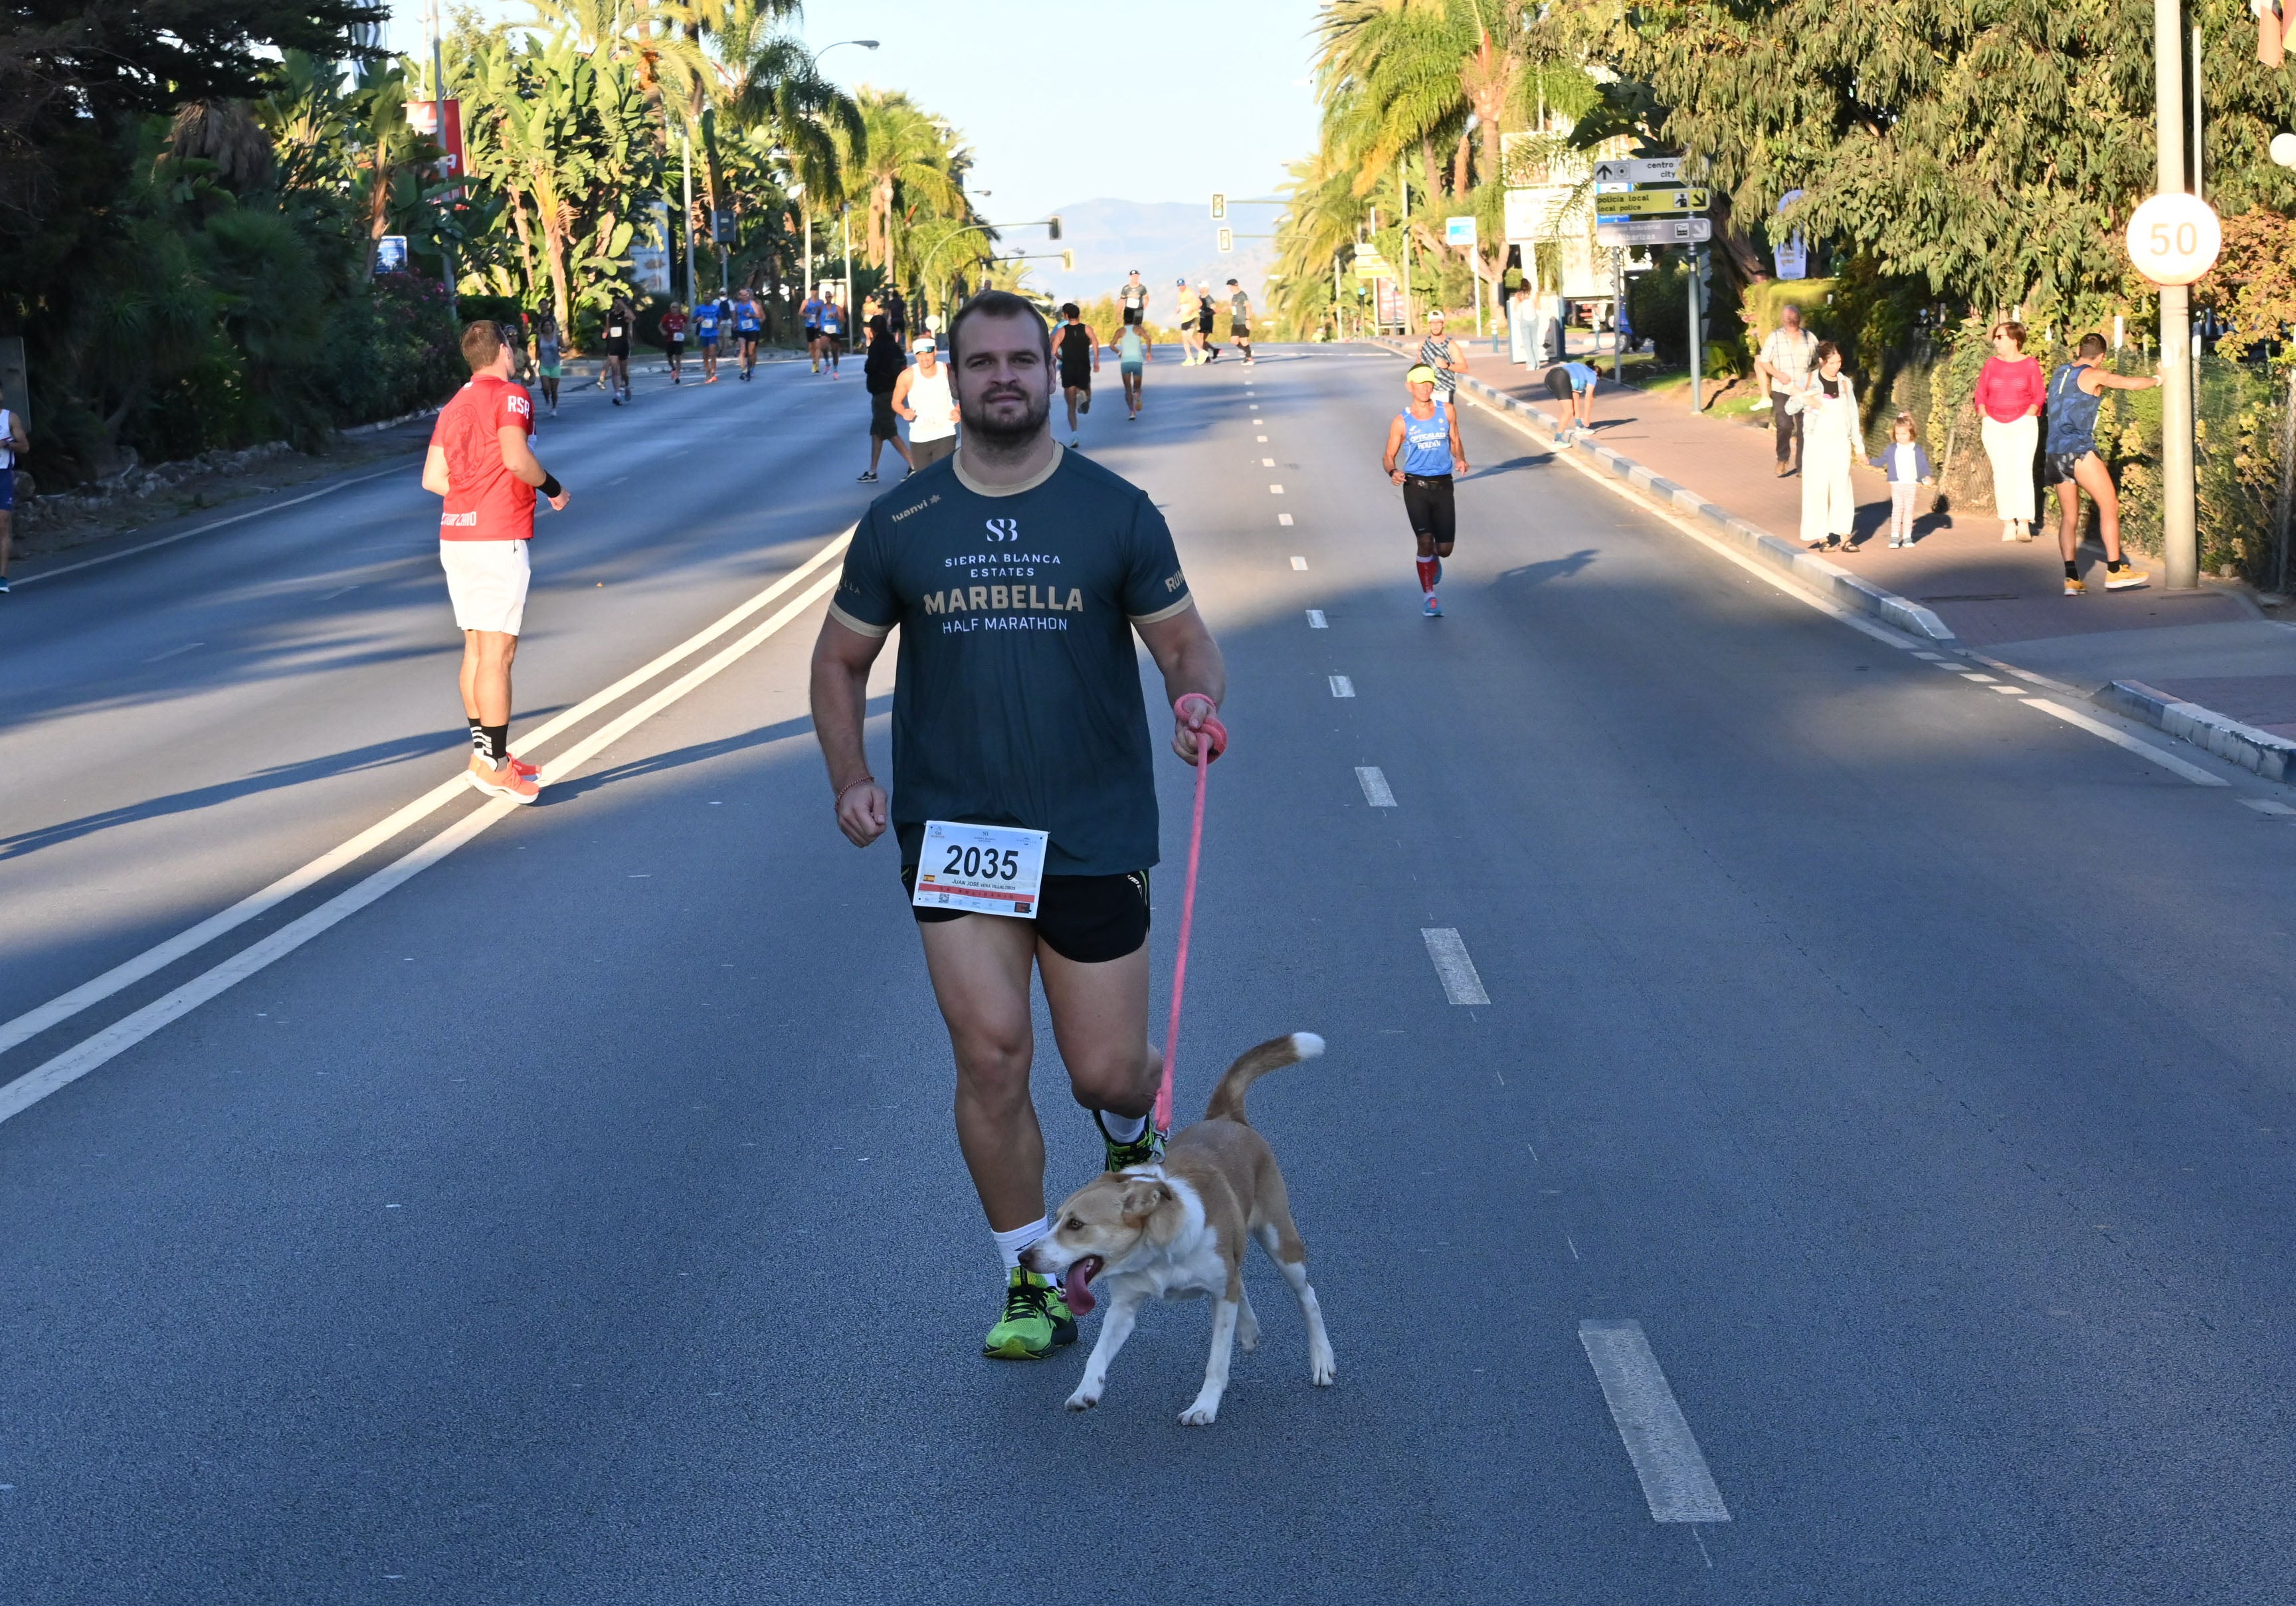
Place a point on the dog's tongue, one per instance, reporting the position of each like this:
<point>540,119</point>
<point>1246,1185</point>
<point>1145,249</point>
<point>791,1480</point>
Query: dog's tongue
<point>1076,1287</point>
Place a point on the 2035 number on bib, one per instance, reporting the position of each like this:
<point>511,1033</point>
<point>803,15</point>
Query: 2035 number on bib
<point>980,869</point>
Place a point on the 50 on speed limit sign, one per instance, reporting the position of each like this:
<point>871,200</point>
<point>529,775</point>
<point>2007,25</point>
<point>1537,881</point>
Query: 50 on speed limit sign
<point>2174,238</point>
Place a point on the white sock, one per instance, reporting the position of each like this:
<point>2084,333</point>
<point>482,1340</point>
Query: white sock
<point>1009,1244</point>
<point>1124,1129</point>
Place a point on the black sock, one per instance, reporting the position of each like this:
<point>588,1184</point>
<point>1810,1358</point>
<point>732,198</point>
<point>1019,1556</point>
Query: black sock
<point>496,750</point>
<point>2072,570</point>
<point>2115,565</point>
<point>478,736</point>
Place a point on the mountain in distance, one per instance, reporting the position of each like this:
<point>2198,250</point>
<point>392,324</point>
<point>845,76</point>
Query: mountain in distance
<point>1163,239</point>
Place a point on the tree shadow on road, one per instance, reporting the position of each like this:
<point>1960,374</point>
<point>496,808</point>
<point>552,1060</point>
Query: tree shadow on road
<point>566,791</point>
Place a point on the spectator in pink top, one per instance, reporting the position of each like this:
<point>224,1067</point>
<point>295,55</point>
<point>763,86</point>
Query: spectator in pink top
<point>2008,403</point>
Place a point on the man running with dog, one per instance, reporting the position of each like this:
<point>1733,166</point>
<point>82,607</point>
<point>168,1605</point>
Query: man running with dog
<point>1019,573</point>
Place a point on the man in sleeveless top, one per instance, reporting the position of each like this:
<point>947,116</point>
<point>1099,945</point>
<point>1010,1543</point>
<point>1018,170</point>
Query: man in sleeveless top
<point>1424,452</point>
<point>1191,342</point>
<point>923,396</point>
<point>1078,350</point>
<point>1441,353</point>
<point>2070,462</point>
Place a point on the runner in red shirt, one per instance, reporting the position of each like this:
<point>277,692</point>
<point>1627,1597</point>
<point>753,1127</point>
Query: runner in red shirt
<point>673,340</point>
<point>480,463</point>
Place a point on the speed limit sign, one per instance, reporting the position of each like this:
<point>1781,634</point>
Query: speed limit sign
<point>2174,238</point>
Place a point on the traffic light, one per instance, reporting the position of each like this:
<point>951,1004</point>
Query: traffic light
<point>1053,225</point>
<point>1219,208</point>
<point>1226,241</point>
<point>1068,262</point>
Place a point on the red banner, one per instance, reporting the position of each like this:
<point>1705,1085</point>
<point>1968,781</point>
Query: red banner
<point>423,116</point>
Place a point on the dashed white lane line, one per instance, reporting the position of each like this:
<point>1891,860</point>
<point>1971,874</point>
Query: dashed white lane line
<point>1375,789</point>
<point>2142,750</point>
<point>1973,675</point>
<point>1315,620</point>
<point>1262,439</point>
<point>1932,657</point>
<point>175,652</point>
<point>2265,805</point>
<point>1342,686</point>
<point>1675,1482</point>
<point>1453,968</point>
<point>1260,421</point>
<point>2012,690</point>
<point>1297,562</point>
<point>1275,490</point>
<point>62,1007</point>
<point>1267,462</point>
<point>1284,519</point>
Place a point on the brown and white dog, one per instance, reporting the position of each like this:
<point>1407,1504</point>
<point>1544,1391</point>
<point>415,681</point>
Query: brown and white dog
<point>1177,1229</point>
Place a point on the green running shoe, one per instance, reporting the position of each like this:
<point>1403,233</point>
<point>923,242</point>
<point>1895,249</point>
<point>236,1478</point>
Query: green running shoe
<point>1036,1323</point>
<point>1145,1150</point>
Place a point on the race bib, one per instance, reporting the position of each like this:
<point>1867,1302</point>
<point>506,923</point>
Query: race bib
<point>614,331</point>
<point>980,869</point>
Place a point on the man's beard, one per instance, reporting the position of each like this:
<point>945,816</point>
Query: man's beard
<point>974,416</point>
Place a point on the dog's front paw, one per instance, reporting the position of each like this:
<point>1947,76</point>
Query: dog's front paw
<point>1200,1416</point>
<point>1323,1371</point>
<point>1084,1399</point>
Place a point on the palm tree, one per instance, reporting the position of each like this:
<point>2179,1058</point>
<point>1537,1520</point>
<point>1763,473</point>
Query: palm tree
<point>903,156</point>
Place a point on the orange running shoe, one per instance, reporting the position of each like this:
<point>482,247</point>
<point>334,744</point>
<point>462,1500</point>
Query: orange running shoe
<point>504,783</point>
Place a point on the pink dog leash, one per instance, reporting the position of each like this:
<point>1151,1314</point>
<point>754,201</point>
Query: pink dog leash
<point>1212,741</point>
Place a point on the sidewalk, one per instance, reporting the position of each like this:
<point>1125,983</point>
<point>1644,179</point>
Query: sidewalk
<point>2211,666</point>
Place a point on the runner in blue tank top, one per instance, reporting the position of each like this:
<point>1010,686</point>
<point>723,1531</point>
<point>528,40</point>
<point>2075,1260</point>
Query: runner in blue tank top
<point>2070,462</point>
<point>1423,452</point>
<point>705,335</point>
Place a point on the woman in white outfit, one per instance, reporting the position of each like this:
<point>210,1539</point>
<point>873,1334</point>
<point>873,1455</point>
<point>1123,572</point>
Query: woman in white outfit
<point>1831,439</point>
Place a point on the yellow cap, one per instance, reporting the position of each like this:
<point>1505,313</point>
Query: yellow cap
<point>1420,374</point>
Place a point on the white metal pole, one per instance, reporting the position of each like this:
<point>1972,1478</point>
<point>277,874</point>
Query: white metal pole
<point>2179,514</point>
<point>685,162</point>
<point>1403,184</point>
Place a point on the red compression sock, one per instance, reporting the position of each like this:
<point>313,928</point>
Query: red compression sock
<point>1426,574</point>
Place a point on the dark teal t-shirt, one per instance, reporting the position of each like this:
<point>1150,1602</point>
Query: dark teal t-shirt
<point>1017,696</point>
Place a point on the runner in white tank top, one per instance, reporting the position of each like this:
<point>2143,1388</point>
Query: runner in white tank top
<point>923,396</point>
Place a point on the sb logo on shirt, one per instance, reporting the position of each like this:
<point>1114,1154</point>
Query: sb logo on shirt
<point>1002,529</point>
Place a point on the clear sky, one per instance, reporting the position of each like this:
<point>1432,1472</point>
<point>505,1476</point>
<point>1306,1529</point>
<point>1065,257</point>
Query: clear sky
<point>1072,100</point>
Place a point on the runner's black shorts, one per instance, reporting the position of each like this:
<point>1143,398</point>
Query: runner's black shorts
<point>1134,314</point>
<point>618,348</point>
<point>2057,467</point>
<point>1084,918</point>
<point>1427,503</point>
<point>1238,332</point>
<point>882,422</point>
<point>812,333</point>
<point>1075,379</point>
<point>1558,383</point>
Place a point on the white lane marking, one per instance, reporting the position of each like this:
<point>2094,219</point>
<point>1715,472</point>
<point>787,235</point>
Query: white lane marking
<point>1973,675</point>
<point>1342,686</point>
<point>338,591</point>
<point>1460,984</point>
<point>1675,1478</point>
<point>1932,657</point>
<point>1297,562</point>
<point>177,651</point>
<point>1275,490</point>
<point>2142,750</point>
<point>2012,690</point>
<point>1267,462</point>
<point>2265,805</point>
<point>1315,620</point>
<point>1262,438</point>
<point>1260,421</point>
<point>1948,667</point>
<point>1665,515</point>
<point>1284,519</point>
<point>34,1021</point>
<point>255,513</point>
<point>1376,791</point>
<point>76,1062</point>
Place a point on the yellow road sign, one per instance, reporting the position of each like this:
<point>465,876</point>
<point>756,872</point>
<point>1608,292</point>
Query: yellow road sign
<point>1650,203</point>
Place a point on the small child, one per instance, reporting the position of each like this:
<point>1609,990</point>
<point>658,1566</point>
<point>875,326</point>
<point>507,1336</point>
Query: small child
<point>1908,467</point>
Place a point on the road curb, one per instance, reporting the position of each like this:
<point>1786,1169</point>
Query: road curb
<point>2272,757</point>
<point>1812,573</point>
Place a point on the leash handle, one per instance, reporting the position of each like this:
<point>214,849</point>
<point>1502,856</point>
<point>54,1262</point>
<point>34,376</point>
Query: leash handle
<point>1212,741</point>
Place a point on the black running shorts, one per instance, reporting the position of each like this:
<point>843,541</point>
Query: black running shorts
<point>1084,918</point>
<point>1558,383</point>
<point>883,423</point>
<point>1427,503</point>
<point>2057,467</point>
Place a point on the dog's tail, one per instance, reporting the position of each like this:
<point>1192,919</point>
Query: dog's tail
<point>1228,1098</point>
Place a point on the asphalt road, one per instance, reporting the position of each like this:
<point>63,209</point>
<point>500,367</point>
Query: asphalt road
<point>578,1220</point>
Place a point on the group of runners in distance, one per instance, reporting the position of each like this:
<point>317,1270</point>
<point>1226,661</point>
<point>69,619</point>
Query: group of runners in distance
<point>1012,658</point>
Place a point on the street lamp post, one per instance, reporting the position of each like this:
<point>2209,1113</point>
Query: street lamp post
<point>2179,515</point>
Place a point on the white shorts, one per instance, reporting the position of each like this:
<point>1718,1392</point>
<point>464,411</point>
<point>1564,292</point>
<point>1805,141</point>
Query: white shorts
<point>487,580</point>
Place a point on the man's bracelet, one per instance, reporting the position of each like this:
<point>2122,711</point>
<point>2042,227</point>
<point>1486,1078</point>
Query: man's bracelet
<point>550,485</point>
<point>849,786</point>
